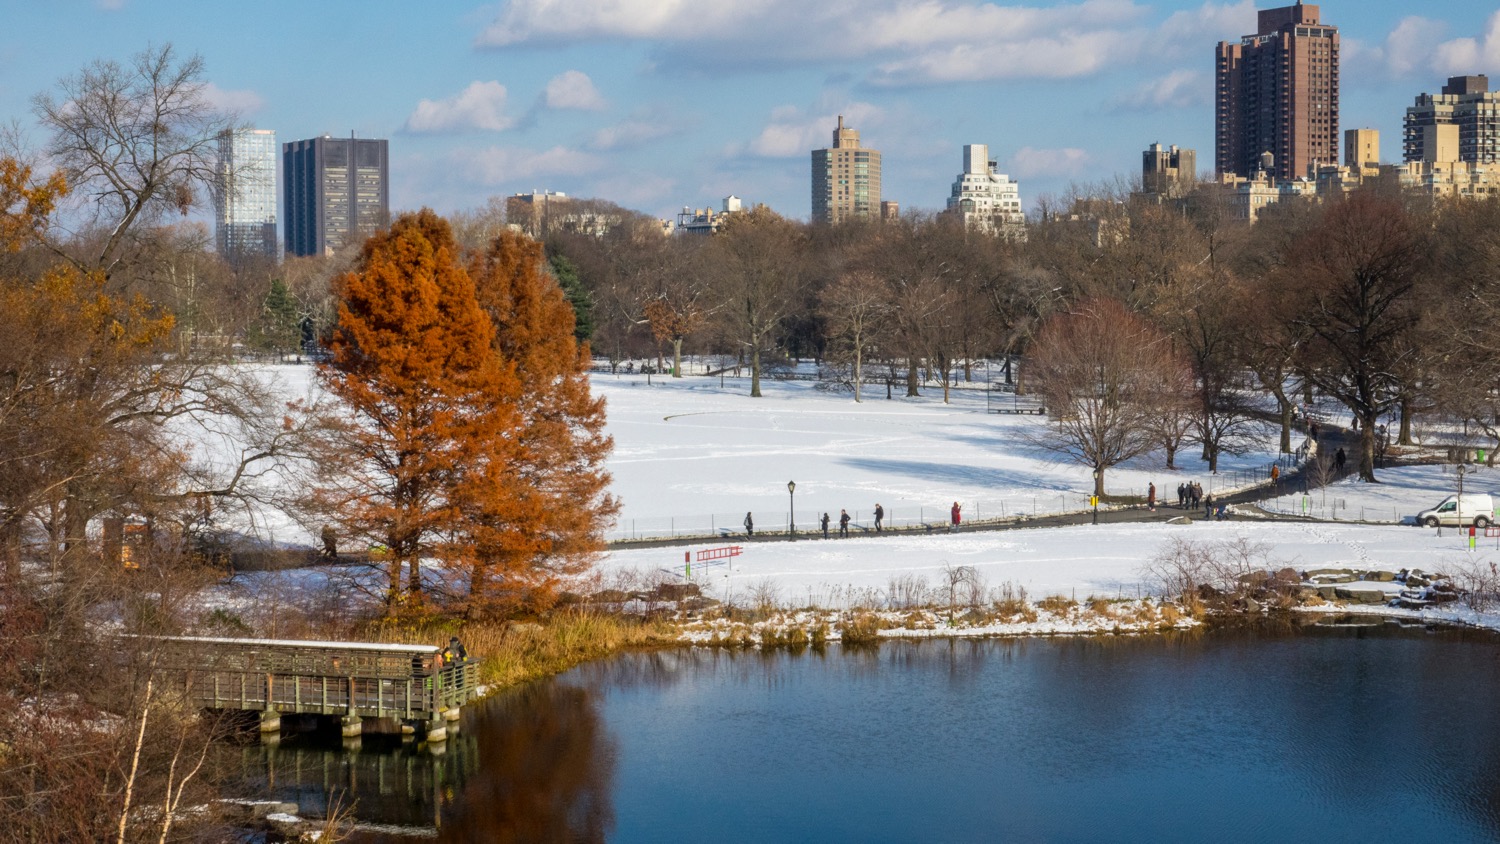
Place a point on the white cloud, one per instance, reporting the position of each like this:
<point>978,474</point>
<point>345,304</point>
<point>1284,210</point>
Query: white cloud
<point>479,106</point>
<point>573,90</point>
<point>637,131</point>
<point>1182,88</point>
<point>794,132</point>
<point>911,42</point>
<point>498,166</point>
<point>243,102</point>
<point>1033,163</point>
<point>1463,56</point>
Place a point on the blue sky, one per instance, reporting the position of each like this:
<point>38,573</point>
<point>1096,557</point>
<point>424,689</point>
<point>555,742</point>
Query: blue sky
<point>657,104</point>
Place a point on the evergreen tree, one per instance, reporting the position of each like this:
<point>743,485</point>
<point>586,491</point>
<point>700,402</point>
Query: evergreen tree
<point>279,327</point>
<point>583,304</point>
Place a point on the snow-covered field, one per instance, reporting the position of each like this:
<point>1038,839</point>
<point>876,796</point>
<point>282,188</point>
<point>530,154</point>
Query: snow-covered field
<point>692,456</point>
<point>1103,561</point>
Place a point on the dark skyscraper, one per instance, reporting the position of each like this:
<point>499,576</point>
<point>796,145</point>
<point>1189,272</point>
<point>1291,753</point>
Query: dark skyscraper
<point>1278,92</point>
<point>337,192</point>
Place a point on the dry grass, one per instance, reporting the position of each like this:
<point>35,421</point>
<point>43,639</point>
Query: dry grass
<point>860,628</point>
<point>514,653</point>
<point>1056,604</point>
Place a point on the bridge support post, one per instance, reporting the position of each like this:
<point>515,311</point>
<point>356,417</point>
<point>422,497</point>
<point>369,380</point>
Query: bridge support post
<point>437,730</point>
<point>270,722</point>
<point>351,726</point>
<point>452,714</point>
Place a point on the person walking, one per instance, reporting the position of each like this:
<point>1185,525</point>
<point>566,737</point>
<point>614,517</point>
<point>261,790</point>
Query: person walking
<point>1181,495</point>
<point>1151,497</point>
<point>1275,474</point>
<point>824,522</point>
<point>749,525</point>
<point>1208,506</point>
<point>843,523</point>
<point>879,514</point>
<point>955,516</point>
<point>1338,459</point>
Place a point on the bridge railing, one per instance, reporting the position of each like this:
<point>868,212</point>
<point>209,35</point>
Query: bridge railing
<point>369,680</point>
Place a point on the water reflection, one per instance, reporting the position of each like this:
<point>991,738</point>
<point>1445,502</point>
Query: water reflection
<point>1272,731</point>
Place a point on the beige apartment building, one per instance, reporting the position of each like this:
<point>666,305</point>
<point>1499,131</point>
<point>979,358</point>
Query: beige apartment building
<point>845,179</point>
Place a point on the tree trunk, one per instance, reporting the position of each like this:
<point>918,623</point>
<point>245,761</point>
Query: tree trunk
<point>677,357</point>
<point>1213,459</point>
<point>1404,437</point>
<point>1099,482</point>
<point>911,377</point>
<point>858,370</point>
<point>755,370</point>
<point>1367,448</point>
<point>1286,425</point>
<point>1171,456</point>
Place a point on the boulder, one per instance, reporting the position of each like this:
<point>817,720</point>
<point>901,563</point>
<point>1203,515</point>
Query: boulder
<point>1288,576</point>
<point>1361,596</point>
<point>1381,576</point>
<point>1328,592</point>
<point>1311,573</point>
<point>676,591</point>
<point>1348,577</point>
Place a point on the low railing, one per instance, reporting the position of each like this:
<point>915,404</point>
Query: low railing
<point>369,680</point>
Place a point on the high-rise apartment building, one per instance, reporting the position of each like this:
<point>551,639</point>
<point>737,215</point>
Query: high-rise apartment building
<point>1470,108</point>
<point>983,197</point>
<point>1168,171</point>
<point>337,192</point>
<point>845,179</point>
<point>1277,91</point>
<point>245,194</point>
<point>1362,149</point>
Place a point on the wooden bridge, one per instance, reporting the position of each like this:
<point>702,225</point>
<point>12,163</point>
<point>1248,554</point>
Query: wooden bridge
<point>354,681</point>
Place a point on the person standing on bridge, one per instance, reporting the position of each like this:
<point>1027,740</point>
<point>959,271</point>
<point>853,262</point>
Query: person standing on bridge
<point>843,524</point>
<point>879,514</point>
<point>749,525</point>
<point>824,522</point>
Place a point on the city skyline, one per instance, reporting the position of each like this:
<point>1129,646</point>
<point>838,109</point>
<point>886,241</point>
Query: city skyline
<point>658,105</point>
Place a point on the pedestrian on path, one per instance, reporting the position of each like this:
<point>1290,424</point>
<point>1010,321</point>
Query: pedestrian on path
<point>1208,506</point>
<point>879,514</point>
<point>843,524</point>
<point>1275,474</point>
<point>749,525</point>
<point>825,525</point>
<point>1181,495</point>
<point>1151,497</point>
<point>956,516</point>
<point>1338,459</point>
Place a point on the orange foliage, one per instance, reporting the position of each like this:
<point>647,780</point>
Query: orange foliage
<point>24,206</point>
<point>541,505</point>
<point>412,358</point>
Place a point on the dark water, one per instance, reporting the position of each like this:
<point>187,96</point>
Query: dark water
<point>1273,733</point>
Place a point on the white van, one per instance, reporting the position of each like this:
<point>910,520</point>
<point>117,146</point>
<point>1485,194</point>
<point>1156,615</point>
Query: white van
<point>1478,510</point>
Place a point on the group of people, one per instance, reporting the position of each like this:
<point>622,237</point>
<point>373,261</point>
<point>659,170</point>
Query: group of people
<point>1189,495</point>
<point>955,517</point>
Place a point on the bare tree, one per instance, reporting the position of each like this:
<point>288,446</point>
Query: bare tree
<point>1354,278</point>
<point>762,260</point>
<point>854,306</point>
<point>135,141</point>
<point>1101,369</point>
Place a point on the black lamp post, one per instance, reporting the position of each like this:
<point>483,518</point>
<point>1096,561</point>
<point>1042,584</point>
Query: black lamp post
<point>791,494</point>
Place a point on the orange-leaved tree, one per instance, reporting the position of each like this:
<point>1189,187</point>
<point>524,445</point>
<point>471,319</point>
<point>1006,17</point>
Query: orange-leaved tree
<point>539,504</point>
<point>412,360</point>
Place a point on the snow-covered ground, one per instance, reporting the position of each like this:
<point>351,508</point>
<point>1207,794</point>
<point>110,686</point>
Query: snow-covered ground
<point>1102,561</point>
<point>692,457</point>
<point>1401,493</point>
